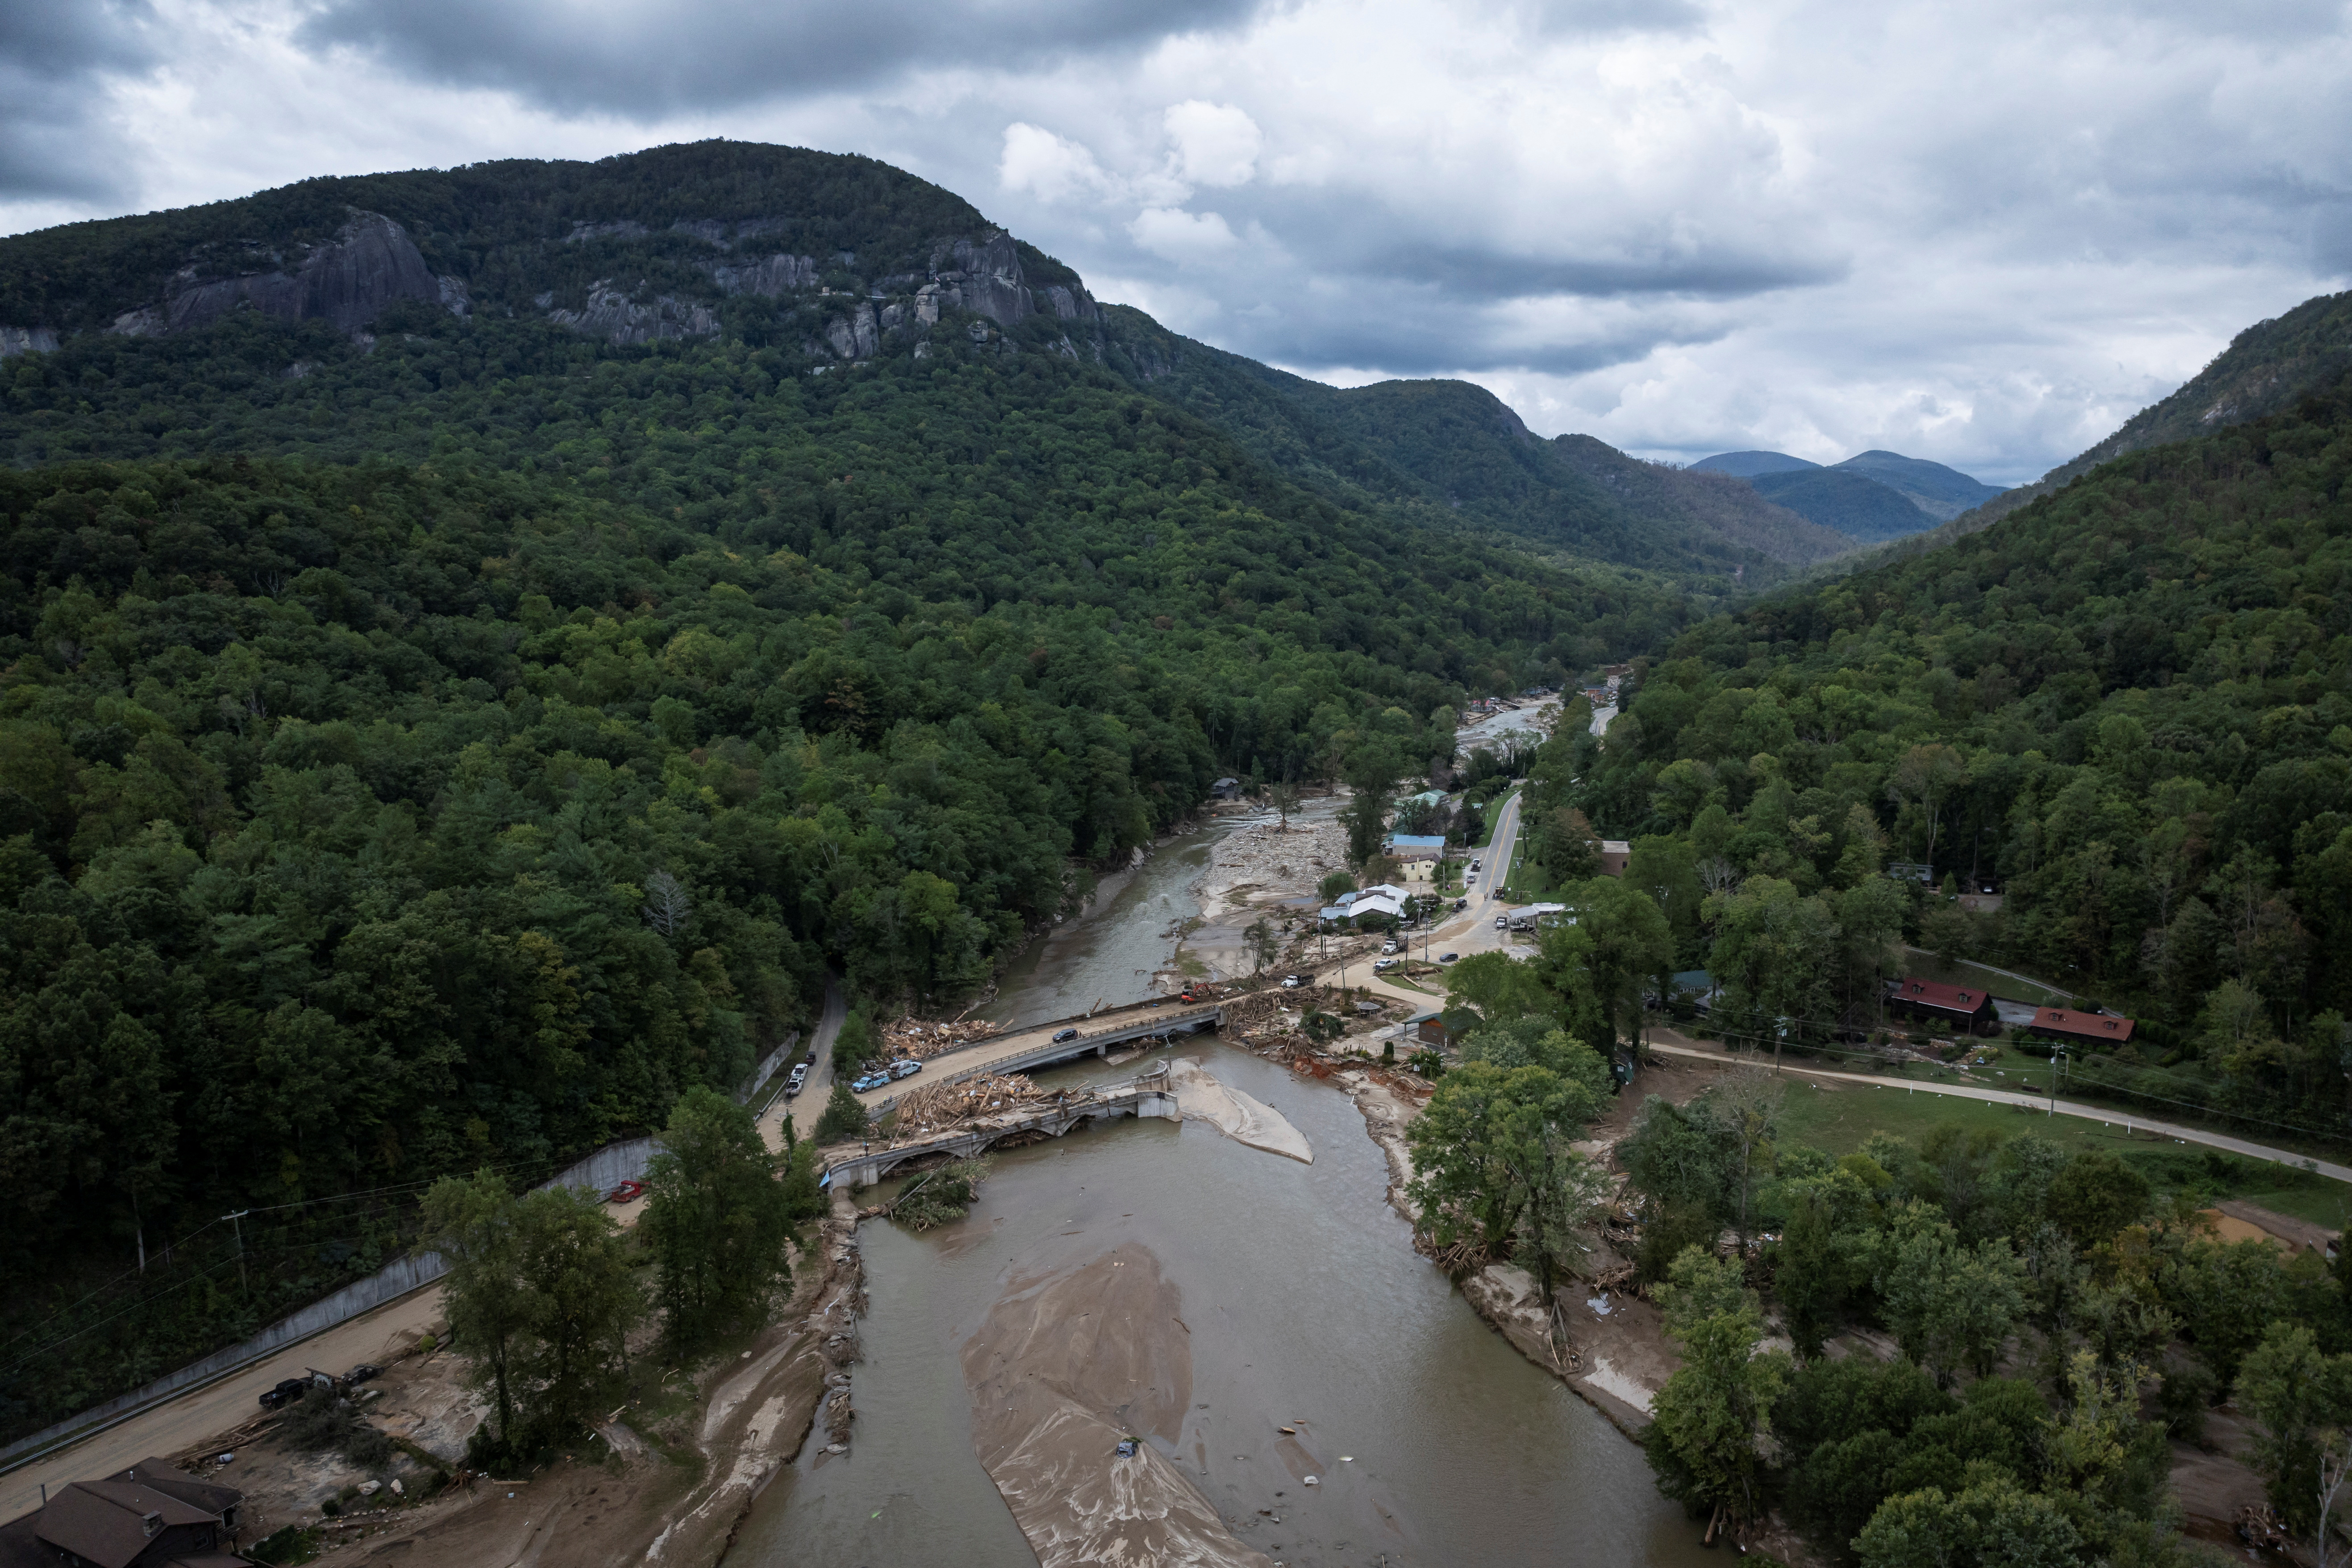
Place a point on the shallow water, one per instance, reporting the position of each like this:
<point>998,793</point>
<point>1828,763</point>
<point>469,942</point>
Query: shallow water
<point>1110,952</point>
<point>1306,1306</point>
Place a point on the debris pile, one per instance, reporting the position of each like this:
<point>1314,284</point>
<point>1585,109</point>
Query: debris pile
<point>936,1107</point>
<point>914,1038</point>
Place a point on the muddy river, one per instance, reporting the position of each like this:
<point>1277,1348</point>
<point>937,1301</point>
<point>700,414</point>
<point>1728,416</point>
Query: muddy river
<point>1306,1306</point>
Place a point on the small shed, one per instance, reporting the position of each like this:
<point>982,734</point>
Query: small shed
<point>1227,789</point>
<point>1616,854</point>
<point>1961,1007</point>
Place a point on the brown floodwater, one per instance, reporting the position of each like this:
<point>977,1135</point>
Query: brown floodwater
<point>1306,1307</point>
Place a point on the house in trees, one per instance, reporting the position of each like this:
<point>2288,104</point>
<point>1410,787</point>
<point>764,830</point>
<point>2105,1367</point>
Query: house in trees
<point>1616,854</point>
<point>1954,1006</point>
<point>1225,789</point>
<point>149,1515</point>
<point>2081,1028</point>
<point>1410,847</point>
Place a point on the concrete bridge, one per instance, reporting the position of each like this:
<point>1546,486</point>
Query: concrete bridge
<point>1094,1035</point>
<point>1146,1096</point>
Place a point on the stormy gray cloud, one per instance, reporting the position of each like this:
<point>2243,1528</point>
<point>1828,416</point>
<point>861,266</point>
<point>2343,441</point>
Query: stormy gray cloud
<point>653,57</point>
<point>54,139</point>
<point>1984,235</point>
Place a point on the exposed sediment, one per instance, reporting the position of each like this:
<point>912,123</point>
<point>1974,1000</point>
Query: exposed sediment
<point>1238,1116</point>
<point>1066,1368</point>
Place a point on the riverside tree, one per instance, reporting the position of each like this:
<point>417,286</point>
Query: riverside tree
<point>1493,1162</point>
<point>1711,1421</point>
<point>717,1219</point>
<point>540,1299</point>
<point>844,1117</point>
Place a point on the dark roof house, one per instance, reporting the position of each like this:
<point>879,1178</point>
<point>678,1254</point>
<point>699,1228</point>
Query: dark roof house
<point>149,1516</point>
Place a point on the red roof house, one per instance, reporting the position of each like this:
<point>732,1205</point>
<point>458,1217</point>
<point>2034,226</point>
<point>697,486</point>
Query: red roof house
<point>1965,1006</point>
<point>2101,1028</point>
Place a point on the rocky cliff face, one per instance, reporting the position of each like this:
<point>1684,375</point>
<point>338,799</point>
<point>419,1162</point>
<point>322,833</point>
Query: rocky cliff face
<point>346,281</point>
<point>26,340</point>
<point>613,315</point>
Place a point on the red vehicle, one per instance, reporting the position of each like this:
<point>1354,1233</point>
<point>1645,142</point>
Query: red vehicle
<point>628,1192</point>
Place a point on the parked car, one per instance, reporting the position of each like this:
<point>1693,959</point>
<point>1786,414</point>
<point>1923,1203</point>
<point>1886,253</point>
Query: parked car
<point>1380,964</point>
<point>1477,865</point>
<point>872,1080</point>
<point>366,1372</point>
<point>287,1391</point>
<point>1461,904</point>
<point>1061,1034</point>
<point>800,1071</point>
<point>907,1068</point>
<point>1448,957</point>
<point>628,1192</point>
<point>810,1059</point>
<point>1502,922</point>
<point>1293,981</point>
<point>792,1086</point>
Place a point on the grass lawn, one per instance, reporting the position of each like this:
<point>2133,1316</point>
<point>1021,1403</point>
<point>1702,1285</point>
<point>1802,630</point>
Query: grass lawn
<point>1929,967</point>
<point>1495,809</point>
<point>1837,1119</point>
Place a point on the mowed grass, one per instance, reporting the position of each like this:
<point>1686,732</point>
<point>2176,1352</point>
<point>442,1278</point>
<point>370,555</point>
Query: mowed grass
<point>1838,1118</point>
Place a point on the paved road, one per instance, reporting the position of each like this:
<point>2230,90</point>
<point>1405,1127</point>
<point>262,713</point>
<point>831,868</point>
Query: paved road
<point>174,1427</point>
<point>178,1424</point>
<point>810,1105</point>
<point>1679,1048</point>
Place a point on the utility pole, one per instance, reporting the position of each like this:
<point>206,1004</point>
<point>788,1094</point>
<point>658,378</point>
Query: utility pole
<point>2056,1056</point>
<point>242,1284</point>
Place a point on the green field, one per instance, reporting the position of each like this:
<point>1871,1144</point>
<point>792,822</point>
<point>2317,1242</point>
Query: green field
<point>1837,1118</point>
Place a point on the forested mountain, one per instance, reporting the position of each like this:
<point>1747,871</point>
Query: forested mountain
<point>1747,465</point>
<point>2268,367</point>
<point>438,739</point>
<point>823,259</point>
<point>2127,706</point>
<point>1855,504</point>
<point>1456,449</point>
<point>1940,491</point>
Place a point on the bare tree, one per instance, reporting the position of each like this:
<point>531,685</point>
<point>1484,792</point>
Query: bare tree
<point>1748,1101</point>
<point>666,905</point>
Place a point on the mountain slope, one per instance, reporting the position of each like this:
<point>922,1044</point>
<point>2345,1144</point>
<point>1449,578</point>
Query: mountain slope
<point>1942,494</point>
<point>1855,504</point>
<point>1747,465</point>
<point>1455,449</point>
<point>2127,704</point>
<point>2266,368</point>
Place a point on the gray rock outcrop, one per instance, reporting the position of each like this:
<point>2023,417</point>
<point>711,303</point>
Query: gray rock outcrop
<point>613,315</point>
<point>27,340</point>
<point>348,281</point>
<point>772,277</point>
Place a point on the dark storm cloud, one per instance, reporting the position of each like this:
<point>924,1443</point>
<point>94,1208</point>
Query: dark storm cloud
<point>53,140</point>
<point>644,59</point>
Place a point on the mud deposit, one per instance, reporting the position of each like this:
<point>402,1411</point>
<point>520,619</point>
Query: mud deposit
<point>1288,1295</point>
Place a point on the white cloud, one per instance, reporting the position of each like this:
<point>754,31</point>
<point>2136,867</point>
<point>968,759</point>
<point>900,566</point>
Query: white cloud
<point>1047,166</point>
<point>1181,236</point>
<point>1216,144</point>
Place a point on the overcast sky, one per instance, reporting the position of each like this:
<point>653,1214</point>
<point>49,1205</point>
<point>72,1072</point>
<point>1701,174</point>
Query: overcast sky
<point>1981,233</point>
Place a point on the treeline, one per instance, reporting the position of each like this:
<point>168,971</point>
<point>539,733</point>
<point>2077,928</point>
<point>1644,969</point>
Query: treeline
<point>2127,707</point>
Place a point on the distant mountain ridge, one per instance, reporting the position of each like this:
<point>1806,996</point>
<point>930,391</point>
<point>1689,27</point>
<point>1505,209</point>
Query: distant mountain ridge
<point>1871,496</point>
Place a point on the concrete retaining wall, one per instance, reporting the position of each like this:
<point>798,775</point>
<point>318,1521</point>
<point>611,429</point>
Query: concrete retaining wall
<point>606,1169</point>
